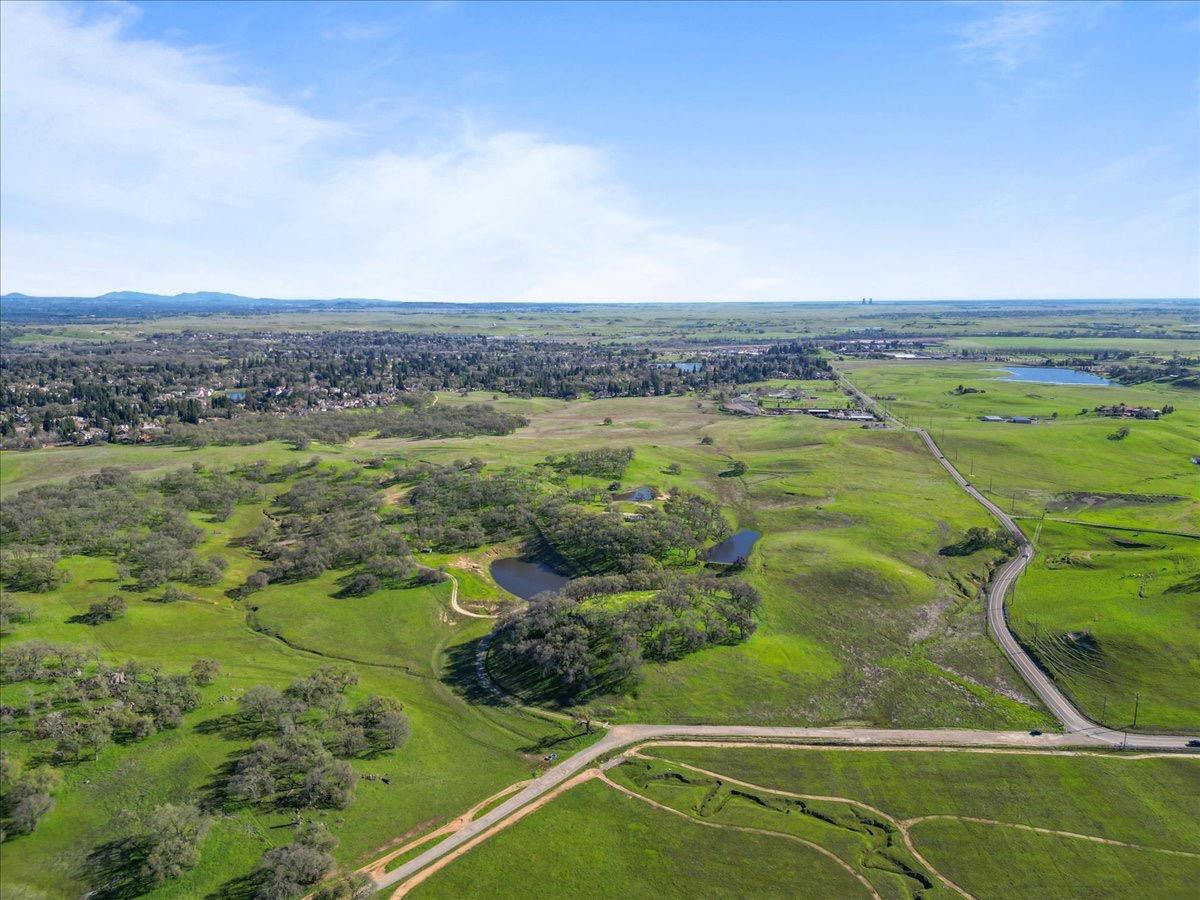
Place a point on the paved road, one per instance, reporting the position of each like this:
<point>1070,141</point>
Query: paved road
<point>624,735</point>
<point>1073,721</point>
<point>1079,731</point>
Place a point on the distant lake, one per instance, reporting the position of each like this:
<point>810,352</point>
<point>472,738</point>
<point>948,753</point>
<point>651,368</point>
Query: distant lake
<point>733,548</point>
<point>526,578</point>
<point>1051,375</point>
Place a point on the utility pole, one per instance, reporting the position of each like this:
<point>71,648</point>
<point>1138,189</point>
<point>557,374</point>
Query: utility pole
<point>1104,709</point>
<point>1137,699</point>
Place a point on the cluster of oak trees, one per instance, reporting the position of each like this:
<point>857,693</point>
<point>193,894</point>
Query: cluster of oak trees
<point>328,520</point>
<point>140,522</point>
<point>458,507</point>
<point>586,542</point>
<point>305,733</point>
<point>409,420</point>
<point>79,707</point>
<point>581,643</point>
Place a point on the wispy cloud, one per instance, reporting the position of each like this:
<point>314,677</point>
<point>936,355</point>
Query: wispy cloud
<point>1008,34</point>
<point>135,163</point>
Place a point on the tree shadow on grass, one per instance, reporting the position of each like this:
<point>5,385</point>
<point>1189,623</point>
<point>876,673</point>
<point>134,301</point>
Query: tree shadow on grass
<point>461,675</point>
<point>214,796</point>
<point>244,887</point>
<point>235,727</point>
<point>116,869</point>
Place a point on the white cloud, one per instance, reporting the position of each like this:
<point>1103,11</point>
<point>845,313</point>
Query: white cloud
<point>1008,33</point>
<point>134,164</point>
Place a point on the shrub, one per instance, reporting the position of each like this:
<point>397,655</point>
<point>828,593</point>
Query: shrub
<point>204,671</point>
<point>105,610</point>
<point>977,539</point>
<point>172,841</point>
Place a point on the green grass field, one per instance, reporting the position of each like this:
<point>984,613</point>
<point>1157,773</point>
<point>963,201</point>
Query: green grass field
<point>862,621</point>
<point>1113,616</point>
<point>857,806</point>
<point>458,753</point>
<point>1068,464</point>
<point>1113,611</point>
<point>596,842</point>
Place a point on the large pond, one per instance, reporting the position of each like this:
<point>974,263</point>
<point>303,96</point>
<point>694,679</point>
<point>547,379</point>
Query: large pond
<point>734,548</point>
<point>638,493</point>
<point>526,577</point>
<point>1051,375</point>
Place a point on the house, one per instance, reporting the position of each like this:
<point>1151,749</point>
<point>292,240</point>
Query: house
<point>1020,420</point>
<point>991,418</point>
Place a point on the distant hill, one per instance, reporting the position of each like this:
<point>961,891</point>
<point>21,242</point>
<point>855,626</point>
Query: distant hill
<point>199,296</point>
<point>135,305</point>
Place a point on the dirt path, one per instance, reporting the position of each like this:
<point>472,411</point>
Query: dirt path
<point>458,609</point>
<point>901,828</point>
<point>779,834</point>
<point>458,851</point>
<point>908,823</point>
<point>622,736</point>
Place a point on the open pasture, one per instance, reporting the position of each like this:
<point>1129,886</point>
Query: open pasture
<point>885,823</point>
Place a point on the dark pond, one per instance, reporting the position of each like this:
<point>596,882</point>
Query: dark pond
<point>733,548</point>
<point>1053,375</point>
<point>526,577</point>
<point>638,493</point>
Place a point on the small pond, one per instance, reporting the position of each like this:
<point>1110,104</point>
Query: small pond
<point>526,578</point>
<point>734,548</point>
<point>639,493</point>
<point>1051,375</point>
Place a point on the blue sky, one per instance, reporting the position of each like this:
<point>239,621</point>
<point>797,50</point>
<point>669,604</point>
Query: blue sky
<point>602,151</point>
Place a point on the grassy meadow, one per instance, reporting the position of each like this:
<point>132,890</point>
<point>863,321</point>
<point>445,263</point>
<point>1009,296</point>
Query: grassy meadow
<point>862,621</point>
<point>1112,614</point>
<point>1069,464</point>
<point>596,842</point>
<point>1110,605</point>
<point>867,799</point>
<point>458,753</point>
